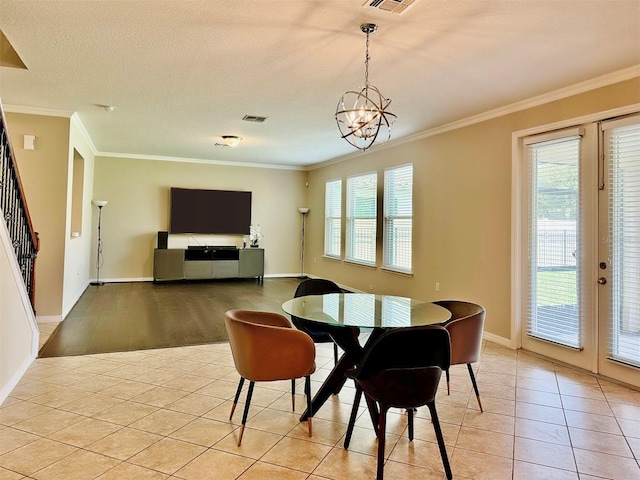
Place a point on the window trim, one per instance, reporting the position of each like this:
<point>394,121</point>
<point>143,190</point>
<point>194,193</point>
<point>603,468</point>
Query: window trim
<point>348,230</point>
<point>385,223</point>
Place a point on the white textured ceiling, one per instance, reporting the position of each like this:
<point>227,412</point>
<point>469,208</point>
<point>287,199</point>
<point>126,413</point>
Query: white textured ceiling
<point>183,73</point>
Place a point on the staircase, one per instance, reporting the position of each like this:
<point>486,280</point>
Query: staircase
<point>13,207</point>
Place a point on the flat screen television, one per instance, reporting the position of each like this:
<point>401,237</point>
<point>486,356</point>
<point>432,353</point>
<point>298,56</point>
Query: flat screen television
<point>210,211</point>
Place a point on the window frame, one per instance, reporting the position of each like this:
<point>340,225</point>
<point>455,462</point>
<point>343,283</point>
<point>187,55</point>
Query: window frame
<point>330,219</point>
<point>388,220</point>
<point>351,219</point>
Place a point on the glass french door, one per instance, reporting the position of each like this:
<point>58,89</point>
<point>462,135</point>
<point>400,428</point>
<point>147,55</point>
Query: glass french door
<point>580,275</point>
<point>558,307</point>
<point>619,251</point>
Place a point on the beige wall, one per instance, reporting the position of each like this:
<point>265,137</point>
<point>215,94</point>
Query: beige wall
<point>77,250</point>
<point>138,195</point>
<point>44,173</point>
<point>462,207</point>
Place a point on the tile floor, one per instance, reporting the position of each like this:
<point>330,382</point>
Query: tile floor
<point>163,414</point>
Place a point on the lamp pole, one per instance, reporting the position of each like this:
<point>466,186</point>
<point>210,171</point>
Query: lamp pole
<point>100,204</point>
<point>303,211</point>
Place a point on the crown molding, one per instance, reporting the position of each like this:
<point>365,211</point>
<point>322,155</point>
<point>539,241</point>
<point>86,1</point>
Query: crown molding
<point>75,120</point>
<point>198,160</point>
<point>49,112</point>
<point>559,94</point>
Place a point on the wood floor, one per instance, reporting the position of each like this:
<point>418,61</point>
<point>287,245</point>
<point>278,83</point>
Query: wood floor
<point>118,317</point>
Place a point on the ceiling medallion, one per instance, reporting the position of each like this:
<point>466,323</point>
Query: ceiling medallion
<point>364,117</point>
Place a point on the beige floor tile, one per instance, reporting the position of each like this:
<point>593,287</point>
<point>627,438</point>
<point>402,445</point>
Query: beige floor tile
<point>126,413</point>
<point>600,442</point>
<point>540,413</point>
<point>544,453</point>
<point>203,431</point>
<point>297,454</point>
<point>9,475</point>
<point>489,421</point>
<point>538,398</point>
<point>32,389</point>
<point>498,391</point>
<point>128,471</point>
<point>97,383</point>
<point>364,440</point>
<point>536,372</point>
<point>275,421</point>
<point>225,465</point>
<point>494,378</point>
<point>80,465</point>
<point>341,464</point>
<point>222,411</point>
<point>124,443</point>
<point>262,471</point>
<point>419,453</point>
<point>587,405</point>
<point>549,386</point>
<point>589,421</point>
<point>35,456</point>
<point>484,441</point>
<point>20,411</point>
<point>221,389</point>
<point>91,404</point>
<point>183,365</point>
<point>634,444</point>
<point>606,466</point>
<point>159,396</point>
<point>466,464</point>
<point>255,443</point>
<point>328,433</point>
<point>60,396</point>
<point>623,410</point>
<point>167,455</point>
<point>101,365</point>
<point>500,406</point>
<point>157,377</point>
<point>627,396</point>
<point>195,404</point>
<point>163,422</point>
<point>188,383</point>
<point>11,438</point>
<point>423,430</point>
<point>630,428</point>
<point>532,471</point>
<point>68,377</point>
<point>583,391</point>
<point>545,432</point>
<point>49,422</point>
<point>85,432</point>
<point>395,470</point>
<point>127,389</point>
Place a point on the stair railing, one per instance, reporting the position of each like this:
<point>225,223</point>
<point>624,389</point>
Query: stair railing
<point>13,205</point>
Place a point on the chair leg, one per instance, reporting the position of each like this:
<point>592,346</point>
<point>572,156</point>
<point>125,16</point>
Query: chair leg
<point>335,352</point>
<point>235,399</point>
<point>475,385</point>
<point>246,411</point>
<point>447,374</point>
<point>352,418</point>
<point>382,427</point>
<point>293,394</point>
<point>440,438</point>
<point>410,418</point>
<point>307,391</point>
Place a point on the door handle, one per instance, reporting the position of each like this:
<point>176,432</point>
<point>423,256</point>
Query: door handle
<point>602,281</point>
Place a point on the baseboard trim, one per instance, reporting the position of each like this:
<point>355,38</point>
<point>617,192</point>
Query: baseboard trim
<point>505,342</point>
<point>49,319</point>
<point>6,390</point>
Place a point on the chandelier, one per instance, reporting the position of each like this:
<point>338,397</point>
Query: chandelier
<point>364,117</point>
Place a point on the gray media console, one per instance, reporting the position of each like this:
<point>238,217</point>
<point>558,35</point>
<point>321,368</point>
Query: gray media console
<point>207,262</point>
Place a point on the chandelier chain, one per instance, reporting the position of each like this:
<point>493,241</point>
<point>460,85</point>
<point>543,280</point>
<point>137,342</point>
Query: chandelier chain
<point>366,64</point>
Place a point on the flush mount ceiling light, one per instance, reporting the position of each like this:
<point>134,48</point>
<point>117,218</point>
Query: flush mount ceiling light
<point>230,141</point>
<point>364,117</point>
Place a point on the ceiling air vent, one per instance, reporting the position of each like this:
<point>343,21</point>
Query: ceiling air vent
<point>393,6</point>
<point>254,118</point>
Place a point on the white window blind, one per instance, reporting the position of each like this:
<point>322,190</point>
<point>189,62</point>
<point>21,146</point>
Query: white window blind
<point>622,150</point>
<point>361,218</point>
<point>398,218</point>
<point>332,218</point>
<point>553,294</point>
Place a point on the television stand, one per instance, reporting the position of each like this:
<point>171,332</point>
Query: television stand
<point>203,263</point>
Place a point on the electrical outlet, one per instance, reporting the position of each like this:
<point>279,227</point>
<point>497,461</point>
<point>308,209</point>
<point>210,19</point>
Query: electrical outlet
<point>370,287</point>
<point>437,286</point>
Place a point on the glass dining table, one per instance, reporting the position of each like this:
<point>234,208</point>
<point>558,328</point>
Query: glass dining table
<point>344,315</point>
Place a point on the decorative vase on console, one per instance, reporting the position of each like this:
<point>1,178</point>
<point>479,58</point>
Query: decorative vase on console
<point>255,235</point>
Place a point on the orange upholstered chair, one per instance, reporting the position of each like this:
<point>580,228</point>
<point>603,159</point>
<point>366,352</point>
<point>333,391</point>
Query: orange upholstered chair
<point>266,348</point>
<point>465,330</point>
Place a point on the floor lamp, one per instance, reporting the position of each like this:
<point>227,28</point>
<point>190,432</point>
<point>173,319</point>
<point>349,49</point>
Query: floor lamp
<point>99,204</point>
<point>303,211</point>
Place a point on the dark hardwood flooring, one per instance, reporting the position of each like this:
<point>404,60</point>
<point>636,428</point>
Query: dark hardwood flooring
<point>118,317</point>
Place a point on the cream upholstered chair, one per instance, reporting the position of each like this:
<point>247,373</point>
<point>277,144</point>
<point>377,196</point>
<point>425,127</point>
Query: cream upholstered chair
<point>266,348</point>
<point>465,330</point>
